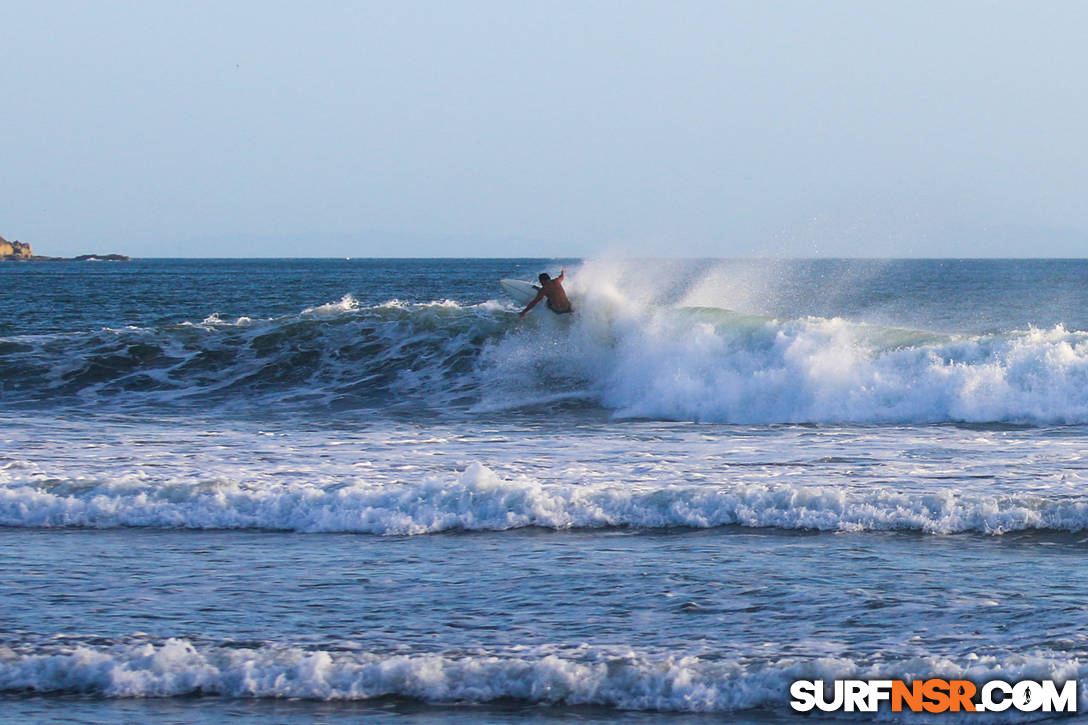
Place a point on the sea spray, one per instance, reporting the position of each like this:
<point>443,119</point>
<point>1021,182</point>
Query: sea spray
<point>628,357</point>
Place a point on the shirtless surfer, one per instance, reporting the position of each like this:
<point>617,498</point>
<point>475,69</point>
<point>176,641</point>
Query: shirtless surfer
<point>553,290</point>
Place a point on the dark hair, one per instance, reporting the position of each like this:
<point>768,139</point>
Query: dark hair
<point>543,277</point>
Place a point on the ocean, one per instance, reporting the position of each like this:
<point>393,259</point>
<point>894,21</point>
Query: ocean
<point>366,491</point>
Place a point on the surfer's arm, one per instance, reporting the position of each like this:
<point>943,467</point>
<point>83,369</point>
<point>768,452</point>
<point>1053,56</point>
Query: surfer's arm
<point>562,274</point>
<point>538,298</point>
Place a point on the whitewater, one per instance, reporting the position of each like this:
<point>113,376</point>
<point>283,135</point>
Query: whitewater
<point>341,490</point>
<point>631,357</point>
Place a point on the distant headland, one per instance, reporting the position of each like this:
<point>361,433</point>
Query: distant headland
<point>21,252</point>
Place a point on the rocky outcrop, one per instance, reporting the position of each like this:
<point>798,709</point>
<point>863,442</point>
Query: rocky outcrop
<point>14,250</point>
<point>101,258</point>
<point>20,252</point>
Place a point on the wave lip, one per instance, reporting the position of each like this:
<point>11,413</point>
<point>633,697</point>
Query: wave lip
<point>621,678</point>
<point>337,355</point>
<point>480,500</point>
<point>687,363</point>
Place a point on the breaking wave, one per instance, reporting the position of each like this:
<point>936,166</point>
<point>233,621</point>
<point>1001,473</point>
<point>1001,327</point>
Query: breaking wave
<point>479,500</point>
<point>618,677</point>
<point>672,363</point>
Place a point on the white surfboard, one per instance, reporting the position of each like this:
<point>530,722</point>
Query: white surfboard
<point>522,292</point>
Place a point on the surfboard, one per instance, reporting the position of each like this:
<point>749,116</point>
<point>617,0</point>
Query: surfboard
<point>522,292</point>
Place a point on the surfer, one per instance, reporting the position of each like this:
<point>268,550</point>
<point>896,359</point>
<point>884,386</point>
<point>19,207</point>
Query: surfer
<point>553,290</point>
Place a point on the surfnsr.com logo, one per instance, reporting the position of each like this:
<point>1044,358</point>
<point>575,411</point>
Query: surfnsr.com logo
<point>933,695</point>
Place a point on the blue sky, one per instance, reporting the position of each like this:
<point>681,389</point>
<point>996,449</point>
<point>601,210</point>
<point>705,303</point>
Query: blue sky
<point>545,128</point>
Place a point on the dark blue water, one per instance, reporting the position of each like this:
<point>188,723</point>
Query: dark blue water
<point>946,294</point>
<point>59,297</point>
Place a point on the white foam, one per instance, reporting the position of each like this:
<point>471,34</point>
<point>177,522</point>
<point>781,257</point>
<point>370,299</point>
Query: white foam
<point>347,303</point>
<point>631,354</point>
<point>612,677</point>
<point>478,499</point>
<point>653,341</point>
<point>718,366</point>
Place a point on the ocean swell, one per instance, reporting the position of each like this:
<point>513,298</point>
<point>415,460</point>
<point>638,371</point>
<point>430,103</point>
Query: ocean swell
<point>335,356</point>
<point>679,363</point>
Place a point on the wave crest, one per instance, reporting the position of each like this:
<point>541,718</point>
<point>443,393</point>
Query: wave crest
<point>692,363</point>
